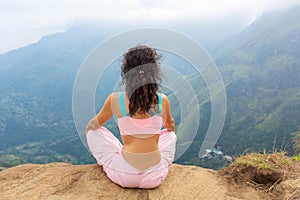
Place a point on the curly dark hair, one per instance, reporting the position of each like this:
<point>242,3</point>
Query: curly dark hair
<point>141,76</point>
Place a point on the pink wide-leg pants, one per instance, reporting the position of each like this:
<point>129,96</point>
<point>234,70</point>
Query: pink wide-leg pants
<point>106,149</point>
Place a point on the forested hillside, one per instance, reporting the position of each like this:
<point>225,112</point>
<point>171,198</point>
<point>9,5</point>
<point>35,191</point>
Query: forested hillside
<point>261,70</point>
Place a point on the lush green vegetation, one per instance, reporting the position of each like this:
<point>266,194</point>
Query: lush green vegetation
<point>297,157</point>
<point>261,73</point>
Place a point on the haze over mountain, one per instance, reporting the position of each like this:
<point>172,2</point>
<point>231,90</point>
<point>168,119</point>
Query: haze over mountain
<point>23,23</point>
<point>261,70</point>
<point>259,65</point>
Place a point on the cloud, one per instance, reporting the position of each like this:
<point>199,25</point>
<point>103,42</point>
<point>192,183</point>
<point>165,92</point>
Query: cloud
<point>23,22</point>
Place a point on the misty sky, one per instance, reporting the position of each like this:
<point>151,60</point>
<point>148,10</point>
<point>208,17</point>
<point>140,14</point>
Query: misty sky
<point>25,22</point>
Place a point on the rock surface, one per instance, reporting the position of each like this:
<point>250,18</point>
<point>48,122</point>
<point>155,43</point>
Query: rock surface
<point>66,181</point>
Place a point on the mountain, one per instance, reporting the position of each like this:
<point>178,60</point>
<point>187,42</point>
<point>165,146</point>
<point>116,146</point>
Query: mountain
<point>259,66</point>
<point>36,87</point>
<point>273,34</point>
<point>263,82</point>
<point>36,83</point>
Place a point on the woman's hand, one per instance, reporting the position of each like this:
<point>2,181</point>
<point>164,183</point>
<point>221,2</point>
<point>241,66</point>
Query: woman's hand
<point>92,125</point>
<point>103,116</point>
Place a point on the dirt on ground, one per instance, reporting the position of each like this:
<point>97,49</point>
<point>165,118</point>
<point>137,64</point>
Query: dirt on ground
<point>275,175</point>
<point>251,177</point>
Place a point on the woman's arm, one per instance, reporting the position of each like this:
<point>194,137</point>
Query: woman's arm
<point>103,116</point>
<point>166,114</point>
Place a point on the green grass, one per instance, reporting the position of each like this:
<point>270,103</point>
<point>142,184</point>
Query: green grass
<point>286,162</point>
<point>253,160</point>
<point>297,157</point>
<point>265,160</point>
<point>264,165</point>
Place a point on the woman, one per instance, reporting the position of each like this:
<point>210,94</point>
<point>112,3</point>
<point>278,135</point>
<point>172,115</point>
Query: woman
<point>148,151</point>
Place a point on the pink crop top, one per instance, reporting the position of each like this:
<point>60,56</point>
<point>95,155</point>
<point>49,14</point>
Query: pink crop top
<point>132,126</point>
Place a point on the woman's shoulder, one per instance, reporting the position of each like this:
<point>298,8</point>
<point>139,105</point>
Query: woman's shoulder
<point>163,96</point>
<point>165,99</point>
<point>115,94</point>
<point>112,96</point>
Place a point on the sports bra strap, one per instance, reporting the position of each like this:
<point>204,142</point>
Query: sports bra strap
<point>159,104</point>
<point>122,104</point>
